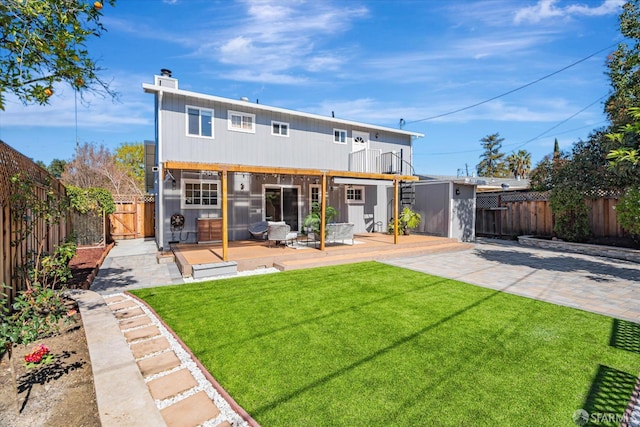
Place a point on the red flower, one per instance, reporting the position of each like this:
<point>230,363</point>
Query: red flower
<point>37,353</point>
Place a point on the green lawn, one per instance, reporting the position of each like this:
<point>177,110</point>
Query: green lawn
<point>369,344</point>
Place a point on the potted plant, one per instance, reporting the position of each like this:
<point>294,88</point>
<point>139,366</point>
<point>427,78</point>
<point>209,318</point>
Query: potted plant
<point>408,219</point>
<point>312,221</point>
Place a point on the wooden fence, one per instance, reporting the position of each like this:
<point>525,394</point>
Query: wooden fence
<point>134,217</point>
<point>14,255</point>
<point>90,229</point>
<point>516,214</point>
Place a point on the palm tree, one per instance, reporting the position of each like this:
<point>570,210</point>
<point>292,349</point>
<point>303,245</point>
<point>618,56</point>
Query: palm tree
<point>519,163</point>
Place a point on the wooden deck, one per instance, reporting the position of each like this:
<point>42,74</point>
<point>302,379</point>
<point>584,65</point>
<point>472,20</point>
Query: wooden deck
<point>255,254</point>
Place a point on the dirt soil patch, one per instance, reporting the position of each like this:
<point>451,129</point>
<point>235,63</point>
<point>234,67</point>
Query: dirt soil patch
<point>60,393</point>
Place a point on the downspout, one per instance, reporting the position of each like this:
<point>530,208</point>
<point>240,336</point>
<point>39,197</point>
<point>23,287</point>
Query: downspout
<point>160,220</point>
<point>395,211</point>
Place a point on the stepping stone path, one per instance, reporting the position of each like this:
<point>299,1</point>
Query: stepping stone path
<point>181,391</point>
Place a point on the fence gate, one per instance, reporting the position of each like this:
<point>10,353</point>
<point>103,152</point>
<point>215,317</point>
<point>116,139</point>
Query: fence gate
<point>134,217</point>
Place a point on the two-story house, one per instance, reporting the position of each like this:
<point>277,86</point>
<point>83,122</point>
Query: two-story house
<point>240,162</point>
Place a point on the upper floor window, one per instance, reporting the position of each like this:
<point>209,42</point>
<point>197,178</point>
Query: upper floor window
<point>340,136</point>
<point>200,194</point>
<point>242,122</point>
<point>354,194</point>
<point>199,122</point>
<point>279,128</point>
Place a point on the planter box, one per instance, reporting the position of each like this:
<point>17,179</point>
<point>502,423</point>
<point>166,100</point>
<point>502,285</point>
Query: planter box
<point>582,248</point>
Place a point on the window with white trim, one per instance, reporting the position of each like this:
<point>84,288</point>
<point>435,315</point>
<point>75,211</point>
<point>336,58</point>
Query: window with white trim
<point>200,194</point>
<point>279,128</point>
<point>340,136</point>
<point>241,122</point>
<point>314,194</point>
<point>199,122</point>
<point>354,194</point>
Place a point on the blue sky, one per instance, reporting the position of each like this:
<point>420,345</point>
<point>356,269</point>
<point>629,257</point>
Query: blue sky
<point>373,61</point>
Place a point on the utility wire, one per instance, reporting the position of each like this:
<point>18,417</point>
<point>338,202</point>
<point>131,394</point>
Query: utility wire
<point>513,90</point>
<point>522,144</point>
<point>561,123</point>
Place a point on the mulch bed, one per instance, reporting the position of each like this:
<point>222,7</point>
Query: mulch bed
<point>85,265</point>
<point>61,393</point>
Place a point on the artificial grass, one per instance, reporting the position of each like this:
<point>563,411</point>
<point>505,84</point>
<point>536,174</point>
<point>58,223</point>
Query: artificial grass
<point>372,344</point>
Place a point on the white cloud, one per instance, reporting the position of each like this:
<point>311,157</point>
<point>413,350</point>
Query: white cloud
<point>546,9</point>
<point>279,37</point>
<point>323,62</point>
<point>366,110</point>
<point>95,112</point>
<point>264,77</point>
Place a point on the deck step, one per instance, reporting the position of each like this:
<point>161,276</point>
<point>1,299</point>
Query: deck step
<point>347,258</point>
<point>214,269</point>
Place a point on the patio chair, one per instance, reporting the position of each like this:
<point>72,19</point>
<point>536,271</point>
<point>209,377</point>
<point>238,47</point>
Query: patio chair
<point>280,233</point>
<point>258,230</point>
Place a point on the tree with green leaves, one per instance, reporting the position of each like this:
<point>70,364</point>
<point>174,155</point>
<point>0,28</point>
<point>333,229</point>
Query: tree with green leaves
<point>130,156</point>
<point>625,156</point>
<point>492,159</point>
<point>542,174</point>
<point>43,43</point>
<point>519,164</point>
<point>625,161</point>
<point>623,66</point>
<point>56,167</point>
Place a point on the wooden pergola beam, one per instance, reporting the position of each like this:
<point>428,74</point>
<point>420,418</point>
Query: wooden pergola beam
<point>195,166</point>
<point>225,168</point>
<point>225,218</point>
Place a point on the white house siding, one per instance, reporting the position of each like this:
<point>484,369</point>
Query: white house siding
<point>309,144</point>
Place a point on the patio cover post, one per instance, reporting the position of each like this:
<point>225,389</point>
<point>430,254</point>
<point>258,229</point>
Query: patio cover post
<point>225,219</point>
<point>323,210</point>
<point>395,211</point>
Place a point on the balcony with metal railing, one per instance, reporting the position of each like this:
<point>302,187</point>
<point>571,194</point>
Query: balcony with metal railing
<point>375,161</point>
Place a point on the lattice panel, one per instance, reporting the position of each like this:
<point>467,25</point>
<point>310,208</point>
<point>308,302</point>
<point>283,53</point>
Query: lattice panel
<point>133,198</point>
<point>12,162</point>
<point>529,196</point>
<point>487,201</point>
<point>605,194</point>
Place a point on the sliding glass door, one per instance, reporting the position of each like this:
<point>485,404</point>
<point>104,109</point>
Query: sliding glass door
<point>281,203</point>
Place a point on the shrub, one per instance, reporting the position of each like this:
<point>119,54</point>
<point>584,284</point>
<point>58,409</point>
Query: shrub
<point>628,211</point>
<point>408,219</point>
<point>570,214</point>
<point>312,220</point>
<point>91,199</point>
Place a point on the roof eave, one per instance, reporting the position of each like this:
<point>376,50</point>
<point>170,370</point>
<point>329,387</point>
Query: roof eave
<point>151,88</point>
